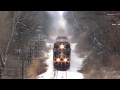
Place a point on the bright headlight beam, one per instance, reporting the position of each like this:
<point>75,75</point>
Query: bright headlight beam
<point>61,12</point>
<point>62,23</point>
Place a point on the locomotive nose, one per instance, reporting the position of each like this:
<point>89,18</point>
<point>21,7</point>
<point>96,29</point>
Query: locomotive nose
<point>61,55</point>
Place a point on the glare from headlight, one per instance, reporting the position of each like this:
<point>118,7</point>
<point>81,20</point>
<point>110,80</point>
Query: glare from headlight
<point>65,60</point>
<point>62,46</point>
<point>58,59</point>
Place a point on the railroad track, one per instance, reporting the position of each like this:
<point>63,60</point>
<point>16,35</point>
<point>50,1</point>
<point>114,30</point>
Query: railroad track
<point>56,74</point>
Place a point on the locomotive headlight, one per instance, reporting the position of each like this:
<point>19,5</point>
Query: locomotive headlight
<point>58,59</point>
<point>62,46</point>
<point>65,59</point>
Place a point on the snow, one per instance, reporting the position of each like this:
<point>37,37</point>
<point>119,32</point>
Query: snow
<point>72,73</point>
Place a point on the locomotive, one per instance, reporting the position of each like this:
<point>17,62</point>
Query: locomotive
<point>61,54</point>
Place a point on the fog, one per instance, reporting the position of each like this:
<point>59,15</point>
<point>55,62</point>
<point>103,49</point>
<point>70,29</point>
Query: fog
<point>58,25</point>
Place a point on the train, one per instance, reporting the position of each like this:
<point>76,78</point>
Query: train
<point>61,54</point>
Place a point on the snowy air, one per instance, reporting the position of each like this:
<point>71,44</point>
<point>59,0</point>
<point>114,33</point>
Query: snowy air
<point>59,45</point>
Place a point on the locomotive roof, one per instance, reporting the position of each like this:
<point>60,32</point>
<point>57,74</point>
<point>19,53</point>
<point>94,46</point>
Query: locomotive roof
<point>65,42</point>
<point>62,37</point>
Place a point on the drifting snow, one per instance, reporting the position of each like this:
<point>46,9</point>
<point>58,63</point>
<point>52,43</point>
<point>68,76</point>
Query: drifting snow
<point>72,73</point>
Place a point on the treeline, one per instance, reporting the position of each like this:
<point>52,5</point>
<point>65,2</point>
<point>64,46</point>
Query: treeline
<point>22,39</point>
<point>99,40</point>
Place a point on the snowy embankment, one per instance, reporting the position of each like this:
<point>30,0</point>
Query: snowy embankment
<point>72,73</point>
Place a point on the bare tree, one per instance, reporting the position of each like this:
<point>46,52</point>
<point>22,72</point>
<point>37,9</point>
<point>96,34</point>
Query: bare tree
<point>17,30</point>
<point>7,28</point>
<point>100,35</point>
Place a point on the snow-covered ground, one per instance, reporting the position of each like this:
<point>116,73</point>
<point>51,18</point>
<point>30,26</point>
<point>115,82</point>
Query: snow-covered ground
<point>75,64</point>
